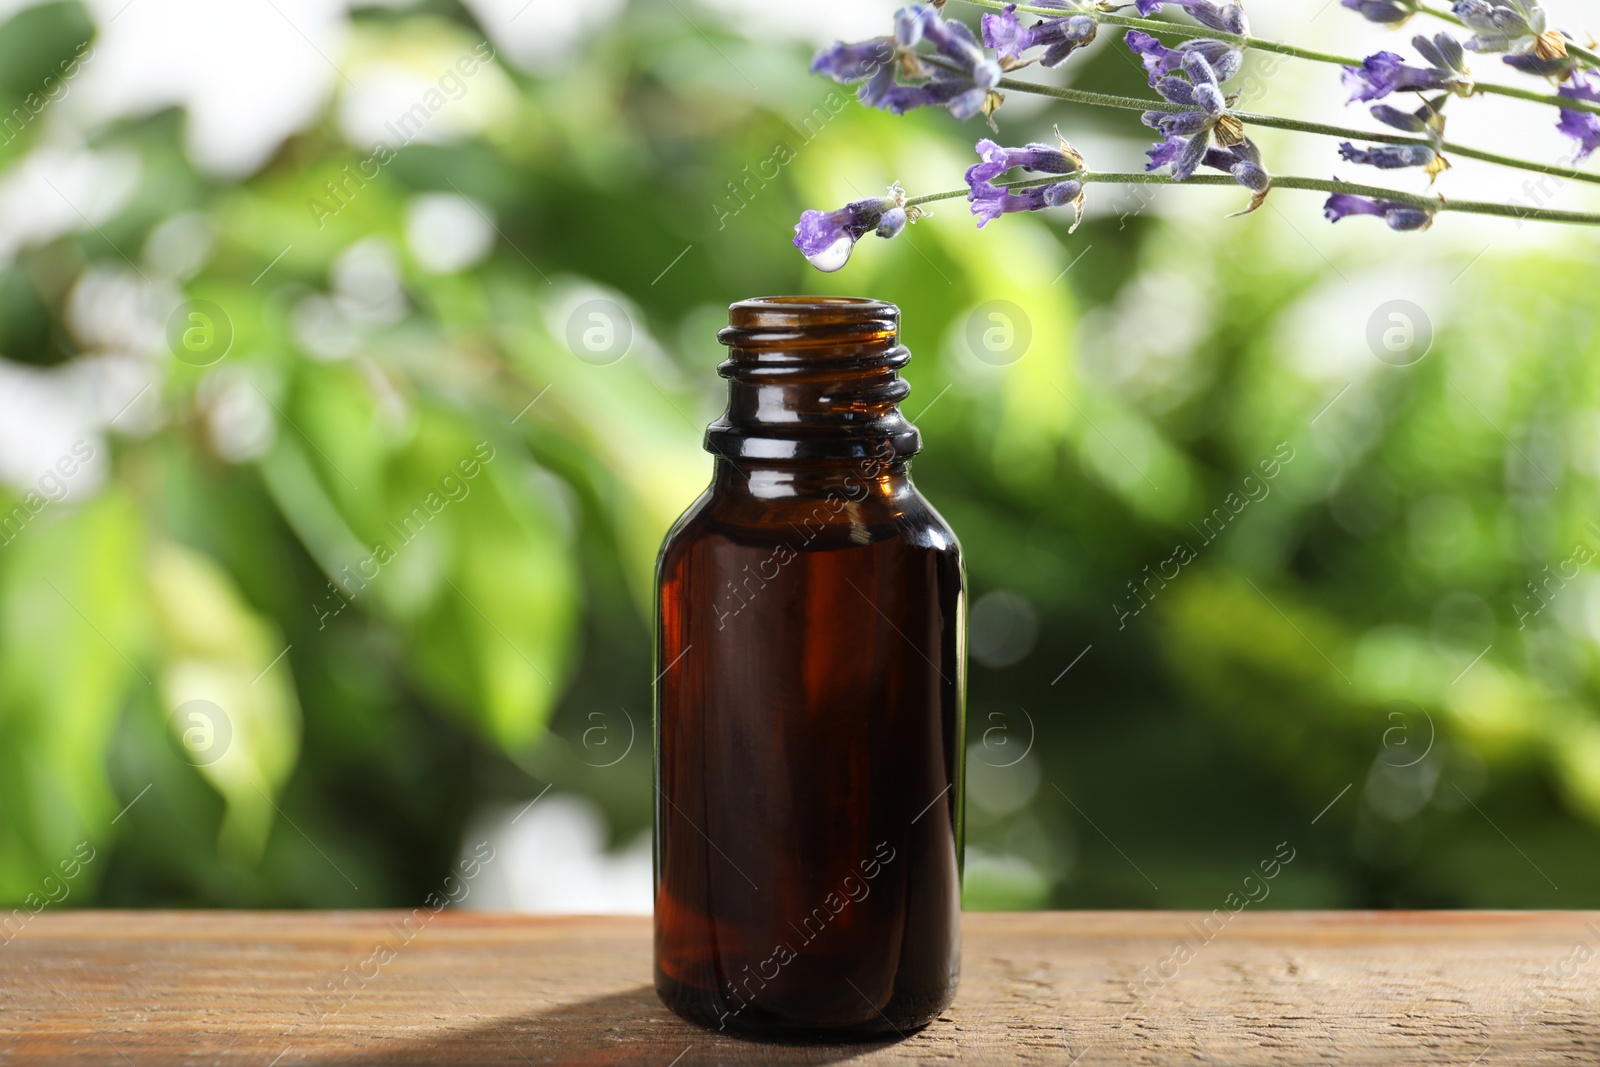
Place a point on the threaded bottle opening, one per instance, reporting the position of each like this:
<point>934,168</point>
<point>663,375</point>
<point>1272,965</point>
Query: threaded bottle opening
<point>813,377</point>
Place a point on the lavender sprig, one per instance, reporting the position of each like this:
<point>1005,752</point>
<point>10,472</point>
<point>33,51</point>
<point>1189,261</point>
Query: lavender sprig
<point>1400,211</point>
<point>1520,31</point>
<point>1261,44</point>
<point>1196,117</point>
<point>1548,53</point>
<point>1320,185</point>
<point>1278,122</point>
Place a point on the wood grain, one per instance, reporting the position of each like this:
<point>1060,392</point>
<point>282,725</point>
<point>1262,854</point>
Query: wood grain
<point>1107,988</point>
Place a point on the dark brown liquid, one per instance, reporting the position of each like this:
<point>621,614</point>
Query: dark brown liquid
<point>809,749</point>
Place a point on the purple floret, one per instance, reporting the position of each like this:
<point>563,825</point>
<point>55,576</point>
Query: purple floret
<point>1398,216</point>
<point>1582,126</point>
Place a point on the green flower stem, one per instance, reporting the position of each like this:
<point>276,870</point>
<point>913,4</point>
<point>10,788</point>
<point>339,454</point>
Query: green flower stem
<point>1436,13</point>
<point>1262,45</point>
<point>1319,185</point>
<point>1447,147</point>
<point>1589,57</point>
<point>1084,96</point>
<point>1133,103</point>
<point>1539,98</point>
<point>1537,168</point>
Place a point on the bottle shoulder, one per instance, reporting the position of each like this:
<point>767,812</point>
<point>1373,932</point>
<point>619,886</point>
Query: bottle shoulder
<point>686,529</point>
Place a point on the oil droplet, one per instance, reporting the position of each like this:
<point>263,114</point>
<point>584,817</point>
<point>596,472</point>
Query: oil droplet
<point>833,257</point>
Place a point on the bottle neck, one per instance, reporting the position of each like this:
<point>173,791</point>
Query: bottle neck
<point>813,380</point>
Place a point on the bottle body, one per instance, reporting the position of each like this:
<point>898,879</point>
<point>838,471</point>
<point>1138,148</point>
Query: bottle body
<point>809,742</point>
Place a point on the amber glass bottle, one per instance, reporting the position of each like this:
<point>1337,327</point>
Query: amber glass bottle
<point>809,709</point>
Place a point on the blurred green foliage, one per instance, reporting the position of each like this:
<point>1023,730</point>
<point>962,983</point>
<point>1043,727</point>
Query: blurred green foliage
<point>1267,693</point>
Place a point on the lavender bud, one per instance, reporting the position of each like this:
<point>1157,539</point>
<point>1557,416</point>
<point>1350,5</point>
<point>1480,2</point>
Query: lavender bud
<point>1382,11</point>
<point>893,221</point>
<point>1400,120</point>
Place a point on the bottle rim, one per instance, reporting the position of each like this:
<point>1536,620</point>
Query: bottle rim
<point>803,312</point>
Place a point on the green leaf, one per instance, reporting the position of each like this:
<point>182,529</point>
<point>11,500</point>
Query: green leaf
<point>71,648</point>
<point>228,695</point>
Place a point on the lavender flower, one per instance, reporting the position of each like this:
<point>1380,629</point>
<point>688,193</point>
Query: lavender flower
<point>1581,126</point>
<point>963,96</point>
<point>964,82</point>
<point>1531,63</point>
<point>1159,60</point>
<point>1167,152</point>
<point>922,22</point>
<point>1520,29</point>
<point>1390,157</point>
<point>1209,117</point>
<point>870,62</point>
<point>1515,26</point>
<point>1385,72</point>
<point>990,201</point>
<point>826,238</point>
<point>1243,161</point>
<point>1061,37</point>
<point>1398,216</point>
<point>1428,117</point>
<point>967,90</point>
<point>1229,18</point>
<point>1383,11</point>
<point>1442,51</point>
<point>1039,158</point>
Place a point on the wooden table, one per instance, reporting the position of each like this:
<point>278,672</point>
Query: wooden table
<point>148,988</point>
